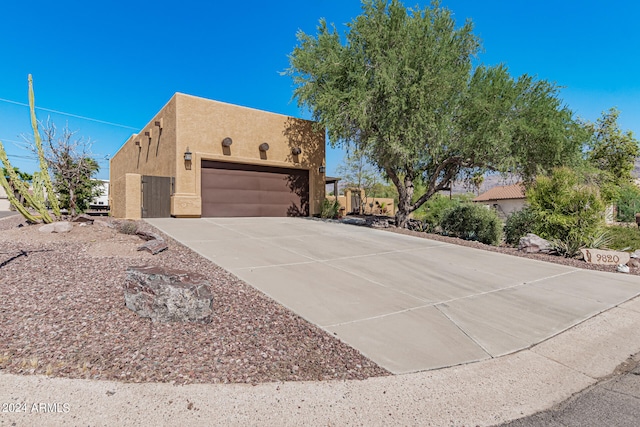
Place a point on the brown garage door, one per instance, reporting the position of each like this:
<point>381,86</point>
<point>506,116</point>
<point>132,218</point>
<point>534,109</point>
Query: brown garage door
<point>231,190</point>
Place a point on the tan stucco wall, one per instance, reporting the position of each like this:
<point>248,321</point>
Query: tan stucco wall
<point>381,206</point>
<point>201,125</point>
<point>345,203</point>
<point>153,154</point>
<point>378,202</point>
<point>125,196</point>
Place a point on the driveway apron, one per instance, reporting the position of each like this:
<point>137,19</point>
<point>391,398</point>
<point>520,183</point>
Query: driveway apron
<point>407,303</point>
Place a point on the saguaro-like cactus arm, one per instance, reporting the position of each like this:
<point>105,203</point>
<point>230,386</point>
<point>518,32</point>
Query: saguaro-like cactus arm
<point>9,190</point>
<point>44,167</point>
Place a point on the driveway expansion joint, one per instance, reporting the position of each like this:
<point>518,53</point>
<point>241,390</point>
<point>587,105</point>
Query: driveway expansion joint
<point>476,342</point>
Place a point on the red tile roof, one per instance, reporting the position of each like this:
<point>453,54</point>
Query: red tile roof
<point>515,191</point>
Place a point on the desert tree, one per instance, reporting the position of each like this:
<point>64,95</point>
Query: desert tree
<point>72,166</point>
<point>610,148</point>
<point>401,86</point>
<point>359,174</point>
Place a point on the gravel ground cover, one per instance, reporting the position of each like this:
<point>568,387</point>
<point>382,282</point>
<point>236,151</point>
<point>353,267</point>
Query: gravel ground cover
<point>62,314</point>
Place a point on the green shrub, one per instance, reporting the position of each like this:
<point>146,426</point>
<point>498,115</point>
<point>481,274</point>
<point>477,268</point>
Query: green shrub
<point>628,203</point>
<point>627,238</point>
<point>473,222</point>
<point>434,209</point>
<point>570,247</point>
<point>518,224</point>
<point>330,208</point>
<point>128,227</point>
<point>565,209</point>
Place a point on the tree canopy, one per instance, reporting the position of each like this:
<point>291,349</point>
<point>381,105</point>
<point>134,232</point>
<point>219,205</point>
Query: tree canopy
<point>610,149</point>
<point>402,89</point>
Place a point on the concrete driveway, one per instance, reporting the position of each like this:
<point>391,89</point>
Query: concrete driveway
<point>409,304</point>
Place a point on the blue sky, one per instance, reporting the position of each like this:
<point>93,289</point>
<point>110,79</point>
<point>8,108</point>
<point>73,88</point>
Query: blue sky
<point>120,62</point>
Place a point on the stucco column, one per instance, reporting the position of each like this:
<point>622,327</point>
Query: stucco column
<point>133,196</point>
<point>347,201</point>
<point>186,201</point>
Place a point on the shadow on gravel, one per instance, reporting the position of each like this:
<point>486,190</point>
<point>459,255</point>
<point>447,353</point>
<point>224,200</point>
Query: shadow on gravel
<point>21,253</point>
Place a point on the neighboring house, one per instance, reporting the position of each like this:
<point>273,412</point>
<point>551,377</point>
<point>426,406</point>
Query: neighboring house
<point>203,158</point>
<point>505,199</point>
<point>102,201</point>
<point>4,200</point>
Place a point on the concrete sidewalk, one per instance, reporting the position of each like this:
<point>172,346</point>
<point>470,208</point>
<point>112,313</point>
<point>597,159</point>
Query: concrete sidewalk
<point>476,394</point>
<point>409,304</point>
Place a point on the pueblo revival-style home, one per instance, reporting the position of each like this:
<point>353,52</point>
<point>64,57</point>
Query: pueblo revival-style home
<point>203,158</point>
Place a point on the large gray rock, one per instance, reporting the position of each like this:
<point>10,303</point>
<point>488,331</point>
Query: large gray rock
<point>155,243</point>
<point>83,218</point>
<point>148,235</point>
<point>634,262</point>
<point>532,243</point>
<point>167,295</point>
<point>154,246</point>
<point>604,257</point>
<point>56,227</point>
<point>103,223</point>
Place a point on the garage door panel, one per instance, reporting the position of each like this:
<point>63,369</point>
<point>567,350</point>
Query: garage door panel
<point>248,210</point>
<point>248,197</point>
<point>230,189</point>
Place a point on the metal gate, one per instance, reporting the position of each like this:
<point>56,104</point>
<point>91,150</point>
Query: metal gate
<point>355,202</point>
<point>156,196</point>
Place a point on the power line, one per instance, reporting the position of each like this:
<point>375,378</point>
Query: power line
<point>34,159</point>
<point>69,114</point>
<point>22,143</point>
<point>22,157</point>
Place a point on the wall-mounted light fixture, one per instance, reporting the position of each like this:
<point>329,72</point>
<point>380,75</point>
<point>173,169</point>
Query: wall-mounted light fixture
<point>187,155</point>
<point>227,142</point>
<point>264,146</point>
<point>322,169</point>
<point>296,151</point>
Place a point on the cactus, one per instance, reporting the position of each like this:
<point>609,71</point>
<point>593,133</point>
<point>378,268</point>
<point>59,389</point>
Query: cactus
<point>15,202</point>
<point>44,167</point>
<point>37,186</point>
<point>37,199</point>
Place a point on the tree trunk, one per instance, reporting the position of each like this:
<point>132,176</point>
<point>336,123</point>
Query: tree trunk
<point>402,219</point>
<point>72,201</point>
<point>404,204</point>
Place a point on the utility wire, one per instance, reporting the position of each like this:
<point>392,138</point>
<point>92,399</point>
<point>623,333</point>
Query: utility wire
<point>103,159</point>
<point>69,114</point>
